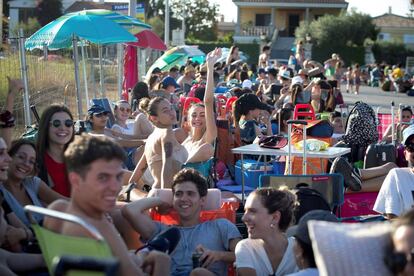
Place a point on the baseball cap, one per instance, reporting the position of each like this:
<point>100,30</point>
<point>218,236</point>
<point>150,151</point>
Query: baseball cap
<point>300,231</point>
<point>167,81</point>
<point>247,84</point>
<point>408,135</point>
<point>251,101</point>
<point>96,109</point>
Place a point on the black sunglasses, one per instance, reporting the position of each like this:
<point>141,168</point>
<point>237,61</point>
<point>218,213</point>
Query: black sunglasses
<point>99,115</point>
<point>57,123</point>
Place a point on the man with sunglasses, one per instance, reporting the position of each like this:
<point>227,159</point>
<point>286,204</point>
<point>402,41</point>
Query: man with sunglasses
<point>397,192</point>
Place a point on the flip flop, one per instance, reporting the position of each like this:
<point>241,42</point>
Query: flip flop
<point>351,181</point>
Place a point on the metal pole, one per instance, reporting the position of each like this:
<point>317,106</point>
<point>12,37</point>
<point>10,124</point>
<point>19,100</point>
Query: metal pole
<point>77,81</point>
<point>23,69</point>
<point>101,73</point>
<point>132,8</point>
<point>45,52</point>
<point>167,24</point>
<point>119,52</point>
<point>85,78</point>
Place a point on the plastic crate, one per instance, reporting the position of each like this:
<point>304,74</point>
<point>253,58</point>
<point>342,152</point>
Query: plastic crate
<point>252,172</point>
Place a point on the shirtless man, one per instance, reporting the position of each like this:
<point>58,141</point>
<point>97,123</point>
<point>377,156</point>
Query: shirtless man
<point>264,57</point>
<point>95,173</point>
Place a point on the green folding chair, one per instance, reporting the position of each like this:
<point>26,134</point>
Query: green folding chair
<point>71,255</point>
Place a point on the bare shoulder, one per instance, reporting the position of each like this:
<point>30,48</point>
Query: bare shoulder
<point>53,224</point>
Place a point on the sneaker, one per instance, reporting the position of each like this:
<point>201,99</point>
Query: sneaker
<point>351,181</point>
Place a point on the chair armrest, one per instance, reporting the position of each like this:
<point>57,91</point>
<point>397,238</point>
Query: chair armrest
<point>63,264</point>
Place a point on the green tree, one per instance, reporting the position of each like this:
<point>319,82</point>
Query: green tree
<point>157,25</point>
<point>48,10</point>
<point>202,23</point>
<point>344,34</point>
<point>391,52</point>
<point>29,28</point>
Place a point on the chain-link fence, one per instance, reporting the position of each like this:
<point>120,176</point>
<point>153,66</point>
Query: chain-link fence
<point>51,77</point>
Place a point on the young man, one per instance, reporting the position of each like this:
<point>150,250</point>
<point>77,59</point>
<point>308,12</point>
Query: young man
<point>215,240</point>
<point>95,173</point>
<point>264,57</point>
<point>397,192</point>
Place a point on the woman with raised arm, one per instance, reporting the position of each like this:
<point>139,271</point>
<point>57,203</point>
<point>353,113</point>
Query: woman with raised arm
<point>203,129</point>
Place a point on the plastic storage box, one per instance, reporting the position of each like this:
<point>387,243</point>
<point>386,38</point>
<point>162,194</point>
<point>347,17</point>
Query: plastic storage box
<point>252,171</point>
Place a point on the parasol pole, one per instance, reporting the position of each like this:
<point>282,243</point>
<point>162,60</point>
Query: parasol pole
<point>77,81</point>
<point>120,55</point>
<point>23,68</point>
<point>85,78</point>
<point>101,73</point>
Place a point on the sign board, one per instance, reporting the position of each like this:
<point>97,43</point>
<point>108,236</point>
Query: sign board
<point>123,8</point>
<point>177,37</point>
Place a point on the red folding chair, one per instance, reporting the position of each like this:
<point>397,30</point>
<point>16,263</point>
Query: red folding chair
<point>304,112</point>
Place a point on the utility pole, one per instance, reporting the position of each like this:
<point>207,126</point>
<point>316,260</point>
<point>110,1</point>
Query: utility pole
<point>167,24</point>
<point>1,21</point>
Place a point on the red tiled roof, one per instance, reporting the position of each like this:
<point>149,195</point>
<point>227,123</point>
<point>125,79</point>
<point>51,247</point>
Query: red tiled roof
<point>393,20</point>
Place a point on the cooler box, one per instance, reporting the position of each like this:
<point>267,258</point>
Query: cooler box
<point>252,170</point>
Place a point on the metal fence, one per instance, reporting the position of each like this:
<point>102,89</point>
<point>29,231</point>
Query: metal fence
<point>51,77</point>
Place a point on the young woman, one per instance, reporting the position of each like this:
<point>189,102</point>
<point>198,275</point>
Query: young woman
<point>267,251</point>
<point>163,154</point>
<point>22,187</point>
<point>12,263</point>
<point>233,55</point>
<point>140,128</point>
<point>203,129</point>
<point>55,133</point>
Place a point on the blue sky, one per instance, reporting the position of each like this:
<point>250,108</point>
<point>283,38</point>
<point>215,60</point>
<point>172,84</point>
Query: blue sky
<point>372,7</point>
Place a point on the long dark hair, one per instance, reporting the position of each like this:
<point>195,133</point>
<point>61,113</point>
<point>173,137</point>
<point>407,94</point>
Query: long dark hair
<point>43,136</point>
<point>17,144</point>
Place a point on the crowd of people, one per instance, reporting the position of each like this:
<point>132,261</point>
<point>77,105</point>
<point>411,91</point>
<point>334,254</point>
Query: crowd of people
<point>156,140</point>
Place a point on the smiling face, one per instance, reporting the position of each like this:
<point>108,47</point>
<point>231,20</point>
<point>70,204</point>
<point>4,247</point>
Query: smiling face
<point>98,189</point>
<point>257,218</point>
<point>197,117</point>
<point>406,116</point>
<point>23,162</point>
<point>4,160</point>
<point>62,134</point>
<point>123,111</point>
<point>187,201</point>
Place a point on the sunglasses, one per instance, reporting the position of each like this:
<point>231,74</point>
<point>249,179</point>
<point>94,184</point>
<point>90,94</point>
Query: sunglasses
<point>99,115</point>
<point>57,123</point>
<point>123,109</point>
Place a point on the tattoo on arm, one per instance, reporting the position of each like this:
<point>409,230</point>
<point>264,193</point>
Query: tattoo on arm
<point>168,148</point>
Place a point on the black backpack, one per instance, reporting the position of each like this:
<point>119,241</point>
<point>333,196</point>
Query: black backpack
<point>361,126</point>
<point>309,199</point>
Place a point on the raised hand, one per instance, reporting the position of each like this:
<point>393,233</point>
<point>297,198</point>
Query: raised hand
<point>212,57</point>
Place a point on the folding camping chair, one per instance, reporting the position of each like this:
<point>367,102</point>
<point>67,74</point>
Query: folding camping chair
<point>64,253</point>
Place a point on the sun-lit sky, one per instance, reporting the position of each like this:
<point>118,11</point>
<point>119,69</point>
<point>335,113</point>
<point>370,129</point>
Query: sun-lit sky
<point>372,7</point>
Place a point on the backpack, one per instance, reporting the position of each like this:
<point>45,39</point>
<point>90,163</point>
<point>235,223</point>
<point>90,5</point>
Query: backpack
<point>309,199</point>
<point>361,126</point>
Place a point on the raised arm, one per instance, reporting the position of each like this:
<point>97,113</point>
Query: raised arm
<point>211,128</point>
<point>135,213</point>
<point>15,86</point>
